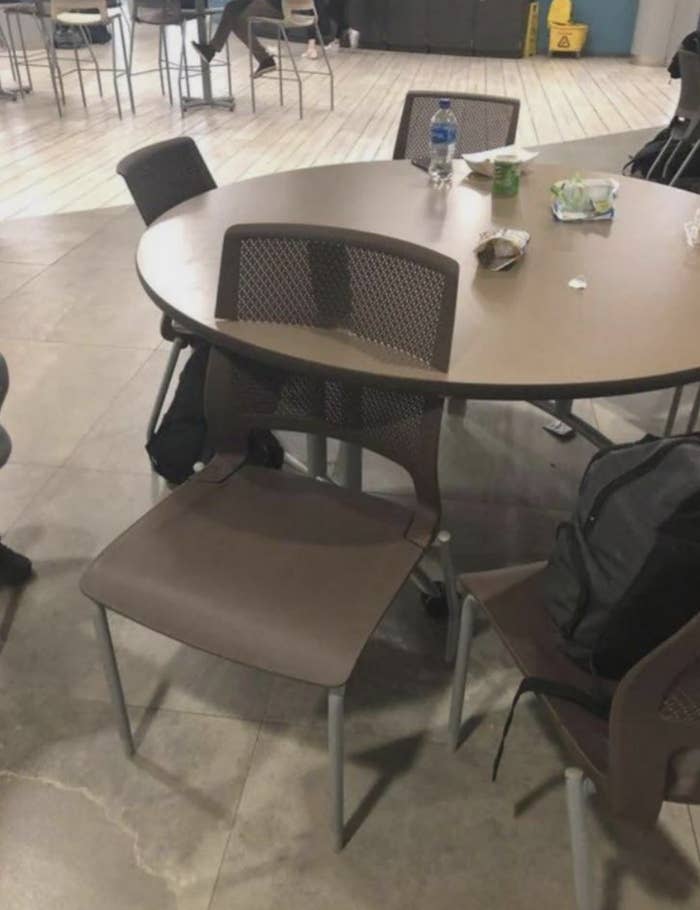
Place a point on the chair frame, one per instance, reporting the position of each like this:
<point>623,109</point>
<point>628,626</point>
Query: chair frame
<point>422,530</point>
<point>632,793</point>
<point>295,14</point>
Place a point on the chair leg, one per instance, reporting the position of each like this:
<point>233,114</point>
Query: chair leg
<point>24,50</point>
<point>250,65</point>
<point>673,410</point>
<point>88,45</point>
<point>111,670</point>
<point>279,67</point>
<point>167,66</point>
<point>659,157</point>
<point>459,680</point>
<point>322,44</point>
<point>127,65</point>
<point>76,32</point>
<point>351,466</point>
<point>686,161</point>
<point>578,789</point>
<point>175,349</point>
<point>443,542</point>
<point>316,456</point>
<point>183,35</point>
<point>228,74</point>
<point>115,75</point>
<point>336,700</point>
<point>296,71</point>
<point>160,57</point>
<point>693,419</point>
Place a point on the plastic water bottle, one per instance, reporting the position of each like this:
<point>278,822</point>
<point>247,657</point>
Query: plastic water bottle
<point>443,142</point>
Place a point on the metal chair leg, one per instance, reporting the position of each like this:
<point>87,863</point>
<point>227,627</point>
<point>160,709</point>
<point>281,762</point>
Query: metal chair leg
<point>228,74</point>
<point>88,45</point>
<point>296,71</point>
<point>160,58</point>
<point>167,66</point>
<point>694,413</point>
<point>459,680</point>
<point>24,50</point>
<point>686,161</point>
<point>322,45</point>
<point>115,77</point>
<point>443,542</point>
<point>79,69</point>
<point>175,349</point>
<point>183,34</point>
<point>351,466</point>
<point>659,157</point>
<point>578,789</point>
<point>250,65</point>
<point>673,410</point>
<point>336,700</point>
<point>279,67</point>
<point>316,456</point>
<point>54,68</point>
<point>111,670</point>
<point>127,65</point>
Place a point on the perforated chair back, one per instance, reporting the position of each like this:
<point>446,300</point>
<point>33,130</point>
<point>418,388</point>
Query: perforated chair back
<point>158,12</point>
<point>689,102</point>
<point>484,122</point>
<point>392,294</point>
<point>163,175</point>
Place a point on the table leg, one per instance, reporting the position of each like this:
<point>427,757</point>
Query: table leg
<point>202,39</point>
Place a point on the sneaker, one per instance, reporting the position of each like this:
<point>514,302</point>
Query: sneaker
<point>205,51</point>
<point>344,38</point>
<point>266,66</point>
<point>15,569</point>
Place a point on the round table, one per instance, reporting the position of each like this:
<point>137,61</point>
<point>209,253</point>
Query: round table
<point>521,334</point>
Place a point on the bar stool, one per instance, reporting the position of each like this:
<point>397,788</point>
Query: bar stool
<point>162,14</point>
<point>295,14</point>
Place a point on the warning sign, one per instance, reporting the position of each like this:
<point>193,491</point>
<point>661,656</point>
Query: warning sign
<point>564,43</point>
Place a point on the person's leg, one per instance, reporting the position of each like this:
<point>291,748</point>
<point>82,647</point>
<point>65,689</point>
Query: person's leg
<point>253,8</point>
<point>231,12</point>
<point>15,569</point>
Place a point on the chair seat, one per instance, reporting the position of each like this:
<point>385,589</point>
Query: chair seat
<point>83,19</point>
<point>514,599</point>
<point>264,568</point>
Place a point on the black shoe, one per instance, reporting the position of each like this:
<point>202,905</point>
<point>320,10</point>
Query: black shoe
<point>268,65</point>
<point>205,51</point>
<point>15,569</point>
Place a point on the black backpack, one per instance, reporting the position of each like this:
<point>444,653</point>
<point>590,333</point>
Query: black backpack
<point>181,438</point>
<point>624,575</point>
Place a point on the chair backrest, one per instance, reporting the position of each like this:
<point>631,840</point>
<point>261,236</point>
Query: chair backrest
<point>484,122</point>
<point>391,293</point>
<point>157,12</point>
<point>165,174</point>
<point>299,12</point>
<point>655,729</point>
<point>78,6</point>
<point>689,102</point>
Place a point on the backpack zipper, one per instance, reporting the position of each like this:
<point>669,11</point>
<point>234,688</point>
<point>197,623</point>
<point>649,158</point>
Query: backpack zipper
<point>634,474</point>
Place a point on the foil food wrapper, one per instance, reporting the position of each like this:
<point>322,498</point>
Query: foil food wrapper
<point>501,249</point>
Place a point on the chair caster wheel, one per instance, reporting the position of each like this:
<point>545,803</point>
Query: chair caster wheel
<point>435,605</point>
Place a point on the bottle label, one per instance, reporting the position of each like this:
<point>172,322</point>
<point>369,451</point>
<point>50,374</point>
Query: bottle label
<point>443,133</point>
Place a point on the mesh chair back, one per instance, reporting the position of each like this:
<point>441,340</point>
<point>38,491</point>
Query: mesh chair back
<point>165,174</point>
<point>689,103</point>
<point>484,122</point>
<point>158,12</point>
<point>394,294</point>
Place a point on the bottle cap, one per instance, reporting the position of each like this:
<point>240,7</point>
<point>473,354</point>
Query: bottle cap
<point>445,103</point>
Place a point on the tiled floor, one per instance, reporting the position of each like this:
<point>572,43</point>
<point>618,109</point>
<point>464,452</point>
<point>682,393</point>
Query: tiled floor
<point>224,805</point>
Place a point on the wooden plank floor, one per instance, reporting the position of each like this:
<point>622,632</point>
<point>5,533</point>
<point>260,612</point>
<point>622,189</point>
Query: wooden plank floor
<point>49,165</point>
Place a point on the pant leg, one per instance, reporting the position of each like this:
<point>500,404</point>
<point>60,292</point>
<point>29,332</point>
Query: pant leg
<point>239,24</point>
<point>5,444</point>
<point>232,11</point>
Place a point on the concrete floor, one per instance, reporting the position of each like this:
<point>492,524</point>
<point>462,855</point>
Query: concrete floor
<point>225,804</point>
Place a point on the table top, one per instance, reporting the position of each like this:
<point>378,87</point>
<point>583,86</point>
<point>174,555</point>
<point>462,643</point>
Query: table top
<point>518,334</point>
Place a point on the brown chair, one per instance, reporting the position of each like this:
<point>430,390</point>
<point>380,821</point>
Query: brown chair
<point>649,749</point>
<point>270,569</point>
<point>484,122</point>
<point>159,177</point>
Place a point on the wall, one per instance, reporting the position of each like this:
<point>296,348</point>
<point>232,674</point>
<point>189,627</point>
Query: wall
<point>611,24</point>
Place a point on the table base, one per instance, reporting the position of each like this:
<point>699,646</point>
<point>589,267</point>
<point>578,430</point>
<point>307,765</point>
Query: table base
<point>190,104</point>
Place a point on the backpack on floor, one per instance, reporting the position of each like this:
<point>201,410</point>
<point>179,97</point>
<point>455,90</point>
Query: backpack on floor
<point>624,574</point>
<point>640,163</point>
<point>181,438</point>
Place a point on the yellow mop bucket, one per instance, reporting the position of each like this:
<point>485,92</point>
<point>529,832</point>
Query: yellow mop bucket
<point>567,39</point>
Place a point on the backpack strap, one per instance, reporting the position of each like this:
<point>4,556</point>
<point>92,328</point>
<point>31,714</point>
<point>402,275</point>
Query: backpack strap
<point>599,705</point>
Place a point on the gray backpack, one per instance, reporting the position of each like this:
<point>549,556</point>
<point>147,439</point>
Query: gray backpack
<point>624,573</point>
